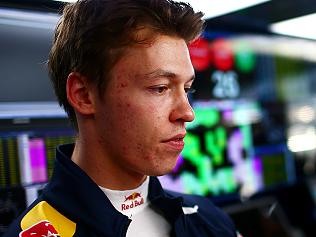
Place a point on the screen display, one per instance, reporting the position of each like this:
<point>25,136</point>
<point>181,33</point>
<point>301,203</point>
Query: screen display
<point>28,158</point>
<point>220,156</point>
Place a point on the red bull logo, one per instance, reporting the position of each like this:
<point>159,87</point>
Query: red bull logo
<point>133,201</point>
<point>132,197</point>
<point>41,229</point>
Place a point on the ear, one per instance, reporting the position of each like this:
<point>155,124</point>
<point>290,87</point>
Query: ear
<point>79,93</point>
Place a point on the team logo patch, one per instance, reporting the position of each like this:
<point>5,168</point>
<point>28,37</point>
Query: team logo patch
<point>133,200</point>
<point>40,229</point>
<point>132,197</point>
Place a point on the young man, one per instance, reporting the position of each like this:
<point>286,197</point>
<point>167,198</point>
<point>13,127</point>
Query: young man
<point>121,70</point>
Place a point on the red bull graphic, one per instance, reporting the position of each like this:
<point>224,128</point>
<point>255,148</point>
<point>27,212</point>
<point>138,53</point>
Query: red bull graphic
<point>133,200</point>
<point>132,197</point>
<point>41,229</point>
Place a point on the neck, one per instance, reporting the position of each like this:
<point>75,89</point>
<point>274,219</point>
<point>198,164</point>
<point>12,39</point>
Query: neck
<point>102,169</point>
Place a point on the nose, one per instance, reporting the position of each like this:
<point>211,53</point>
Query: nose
<point>182,110</point>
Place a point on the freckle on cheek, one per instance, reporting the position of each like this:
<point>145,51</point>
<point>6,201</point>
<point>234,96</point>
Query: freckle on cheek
<point>124,149</point>
<point>122,85</point>
<point>140,149</point>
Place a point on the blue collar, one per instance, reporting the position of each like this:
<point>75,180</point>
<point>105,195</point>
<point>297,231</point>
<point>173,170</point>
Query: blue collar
<point>74,193</point>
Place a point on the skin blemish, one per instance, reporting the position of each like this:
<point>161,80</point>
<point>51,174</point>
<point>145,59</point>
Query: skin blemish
<point>123,85</point>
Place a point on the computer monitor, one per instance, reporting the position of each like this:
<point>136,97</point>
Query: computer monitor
<point>220,157</point>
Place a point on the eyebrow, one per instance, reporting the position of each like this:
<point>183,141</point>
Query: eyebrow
<point>164,73</point>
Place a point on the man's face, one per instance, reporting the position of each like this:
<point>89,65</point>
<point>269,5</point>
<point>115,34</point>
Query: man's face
<point>141,117</point>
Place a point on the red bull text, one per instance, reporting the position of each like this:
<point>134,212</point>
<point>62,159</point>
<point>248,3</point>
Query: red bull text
<point>133,200</point>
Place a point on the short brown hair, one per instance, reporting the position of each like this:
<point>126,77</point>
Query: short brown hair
<point>91,34</point>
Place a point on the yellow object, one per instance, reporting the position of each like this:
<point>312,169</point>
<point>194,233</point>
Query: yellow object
<point>43,211</point>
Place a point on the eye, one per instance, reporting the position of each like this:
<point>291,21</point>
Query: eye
<point>189,90</point>
<point>159,89</point>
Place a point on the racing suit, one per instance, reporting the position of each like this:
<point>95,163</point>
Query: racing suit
<point>71,204</point>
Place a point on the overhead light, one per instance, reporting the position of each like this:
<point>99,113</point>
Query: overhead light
<point>302,142</point>
<point>213,8</point>
<point>305,114</point>
<point>298,27</point>
<point>301,138</point>
<point>28,18</point>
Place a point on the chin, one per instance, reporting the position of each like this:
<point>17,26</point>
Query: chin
<point>162,170</point>
<point>164,166</point>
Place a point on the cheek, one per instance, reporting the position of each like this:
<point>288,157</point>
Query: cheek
<point>134,117</point>
<point>135,109</point>
<point>127,116</point>
<point>124,119</point>
<point>139,123</point>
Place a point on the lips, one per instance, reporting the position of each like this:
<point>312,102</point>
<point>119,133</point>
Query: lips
<point>176,142</point>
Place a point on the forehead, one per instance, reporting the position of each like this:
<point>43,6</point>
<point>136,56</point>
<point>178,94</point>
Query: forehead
<point>167,53</point>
